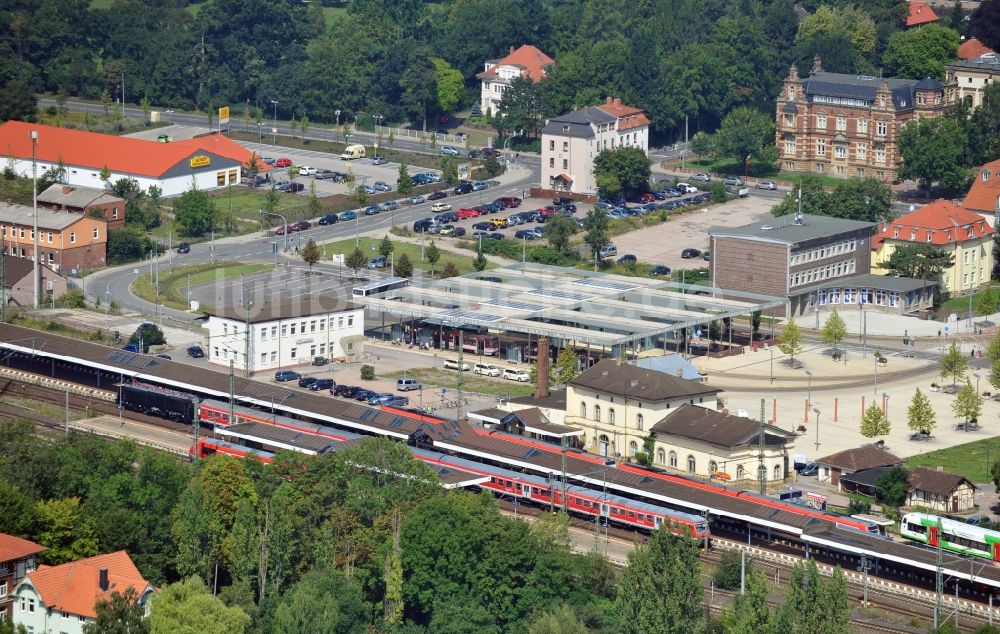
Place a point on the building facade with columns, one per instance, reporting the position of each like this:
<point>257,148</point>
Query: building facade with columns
<point>848,125</point>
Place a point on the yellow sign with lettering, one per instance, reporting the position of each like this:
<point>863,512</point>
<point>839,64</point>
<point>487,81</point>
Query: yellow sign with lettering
<point>200,161</point>
<point>224,114</point>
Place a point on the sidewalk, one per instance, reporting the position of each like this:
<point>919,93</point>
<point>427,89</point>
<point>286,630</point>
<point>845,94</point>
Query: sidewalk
<point>880,324</point>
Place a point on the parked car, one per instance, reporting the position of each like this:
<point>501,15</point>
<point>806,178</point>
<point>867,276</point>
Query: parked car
<point>688,254</point>
<point>450,151</point>
<point>307,170</point>
<point>525,234</point>
<point>328,219</point>
<point>321,384</point>
<point>362,394</point>
<point>339,177</point>
<point>766,185</point>
<point>687,189</point>
<point>490,152</point>
<point>417,200</point>
<point>608,251</point>
<point>509,202</point>
<point>294,188</point>
<point>396,401</point>
<point>447,230</point>
<point>343,390</point>
<point>195,352</point>
<point>301,225</point>
<point>286,375</point>
<point>701,177</point>
<point>516,374</point>
<point>486,369</point>
<point>478,186</point>
<point>280,185</point>
<point>474,154</point>
<point>483,226</point>
<point>627,258</point>
<point>348,215</point>
<point>452,364</point>
<point>379,160</point>
<point>405,385</point>
<point>810,469</point>
<point>496,235</point>
<point>422,225</point>
<point>437,195</point>
<point>732,181</point>
<point>659,270</point>
<point>377,262</point>
<point>382,186</point>
<point>462,188</point>
<point>306,381</point>
<point>440,207</point>
<point>324,174</point>
<point>373,210</point>
<point>283,162</point>
<point>184,247</point>
<point>379,397</point>
<point>267,159</point>
<point>458,232</point>
<point>390,205</point>
<point>164,356</point>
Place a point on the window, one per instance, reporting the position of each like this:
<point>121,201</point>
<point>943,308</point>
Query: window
<point>65,615</point>
<point>114,214</point>
<point>583,409</point>
<point>691,464</point>
<point>820,147</point>
<point>673,459</point>
<point>862,151</point>
<point>3,589</point>
<point>97,233</point>
<point>565,164</point>
<point>821,121</point>
<point>220,179</point>
<point>840,151</point>
<point>263,357</point>
<point>552,162</point>
<point>777,472</point>
<point>565,146</point>
<point>274,356</point>
<point>740,472</point>
<point>789,146</point>
<point>842,124</point>
<point>661,456</point>
<point>880,155</point>
<point>638,421</point>
<point>31,605</point>
<point>20,232</point>
<point>293,352</point>
<point>611,416</point>
<point>633,449</point>
<point>597,413</point>
<point>294,325</point>
<point>274,332</point>
<point>552,144</point>
<point>350,320</point>
<point>789,119</point>
<point>312,326</point>
<point>881,127</point>
<point>72,238</point>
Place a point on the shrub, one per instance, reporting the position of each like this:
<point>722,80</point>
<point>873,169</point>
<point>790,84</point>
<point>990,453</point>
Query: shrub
<point>727,575</point>
<point>72,298</point>
<point>367,373</point>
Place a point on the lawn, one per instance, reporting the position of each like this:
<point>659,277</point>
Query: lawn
<point>961,304</point>
<point>730,166</point>
<point>969,460</point>
<point>173,284</point>
<point>462,261</point>
<point>471,383</point>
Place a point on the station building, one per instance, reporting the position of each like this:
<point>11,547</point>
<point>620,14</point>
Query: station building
<point>207,162</point>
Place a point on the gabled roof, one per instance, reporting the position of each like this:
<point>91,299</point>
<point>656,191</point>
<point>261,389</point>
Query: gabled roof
<point>973,48</point>
<point>579,121</point>
<point>984,195</point>
<point>717,428</point>
<point>528,58</point>
<point>940,483</point>
<point>614,378</point>
<point>860,458</point>
<point>12,548</point>
<point>76,196</point>
<point>74,587</point>
<point>122,155</point>
<point>866,87</point>
<point>16,269</point>
<point>920,13</point>
<point>21,215</point>
<point>628,116</point>
<point>941,222</point>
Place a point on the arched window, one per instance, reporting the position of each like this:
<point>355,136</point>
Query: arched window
<point>673,459</point>
<point>583,409</point>
<point>633,448</point>
<point>713,467</point>
<point>762,470</point>
<point>777,472</point>
<point>597,413</point>
<point>691,464</point>
<point>740,472</point>
<point>611,416</point>
<point>661,456</point>
<point>638,422</point>
<point>603,442</point>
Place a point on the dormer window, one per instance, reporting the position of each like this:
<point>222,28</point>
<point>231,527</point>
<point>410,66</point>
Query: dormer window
<point>986,175</point>
<point>895,232</point>
<point>913,234</point>
<point>930,236</point>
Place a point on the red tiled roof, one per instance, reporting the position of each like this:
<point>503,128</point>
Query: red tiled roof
<point>628,116</point>
<point>124,155</point>
<point>984,195</point>
<point>12,548</point>
<point>860,458</point>
<point>942,220</point>
<point>531,60</point>
<point>973,49</point>
<point>920,13</point>
<point>74,588</point>
<point>941,483</point>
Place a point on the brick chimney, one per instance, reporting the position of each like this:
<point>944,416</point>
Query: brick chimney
<point>542,388</point>
<point>609,101</point>
<point>102,580</point>
<point>512,50</point>
<point>618,101</point>
<point>66,189</point>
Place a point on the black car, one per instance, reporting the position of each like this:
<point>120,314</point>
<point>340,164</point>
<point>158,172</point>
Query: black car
<point>342,390</point>
<point>339,177</point>
<point>561,200</point>
<point>422,225</point>
<point>437,195</point>
<point>363,395</point>
<point>659,270</point>
<point>474,154</point>
<point>625,259</point>
<point>306,381</point>
<point>195,352</point>
<point>321,384</point>
<point>184,247</point>
<point>462,188</point>
<point>482,226</point>
<point>329,219</point>
<point>458,232</point>
<point>293,188</point>
<point>525,234</point>
<point>687,254</point>
<point>496,235</point>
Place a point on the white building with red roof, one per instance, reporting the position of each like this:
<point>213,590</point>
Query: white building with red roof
<point>572,141</point>
<point>945,225</point>
<point>17,559</point>
<point>209,162</point>
<point>526,61</point>
<point>984,195</point>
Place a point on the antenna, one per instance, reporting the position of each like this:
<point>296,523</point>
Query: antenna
<point>798,211</point>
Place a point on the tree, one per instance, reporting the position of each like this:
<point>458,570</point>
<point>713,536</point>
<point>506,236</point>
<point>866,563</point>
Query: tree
<point>324,601</point>
<point>934,151</point>
<point>448,171</point>
<point>921,52</point>
<point>747,132</point>
<point>304,125</point>
<point>567,366</point>
<point>404,266</point>
<point>755,318</point>
<point>954,364</point>
<point>920,416</point>
<point>449,270</point>
<point>813,604</point>
<point>356,260</point>
<point>922,261</point>
<point>660,591</point>
<point>967,403</point>
<point>17,100</point>
<point>987,304</point>
<point>750,611</point>
<point>480,262</point>
<point>717,191</point>
<point>188,607</point>
<point>714,330</point>
<point>405,182</point>
<point>702,144</point>
<point>64,531</point>
<point>625,168</point>
<point>731,568</point>
<point>892,486</point>
<point>432,254</point>
<point>790,339</point>
<point>596,225</point>
<point>105,176</point>
<point>194,212</point>
<point>995,474</point>
<point>119,614</point>
<point>146,107</point>
<point>449,84</point>
<point>558,231</point>
<point>993,350</point>
<point>874,423</point>
<point>985,24</point>
<point>561,619</point>
<point>315,208</point>
<point>520,109</point>
<point>146,337</point>
<point>866,199</point>
<point>810,198</point>
<point>385,246</point>
<point>311,253</point>
<point>834,330</point>
<point>983,127</point>
<point>18,515</point>
<point>849,21</point>
<point>994,376</point>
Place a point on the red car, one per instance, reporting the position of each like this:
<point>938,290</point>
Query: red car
<point>647,198</point>
<point>465,212</point>
<point>283,162</point>
<point>488,151</point>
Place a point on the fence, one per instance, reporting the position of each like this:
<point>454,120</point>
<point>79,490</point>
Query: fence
<point>383,132</point>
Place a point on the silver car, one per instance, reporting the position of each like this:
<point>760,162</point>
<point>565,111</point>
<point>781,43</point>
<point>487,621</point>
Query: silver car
<point>766,185</point>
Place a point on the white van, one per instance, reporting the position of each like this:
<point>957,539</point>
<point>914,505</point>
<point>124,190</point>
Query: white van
<point>486,369</point>
<point>452,364</point>
<point>512,374</point>
<point>353,152</point>
<point>405,385</point>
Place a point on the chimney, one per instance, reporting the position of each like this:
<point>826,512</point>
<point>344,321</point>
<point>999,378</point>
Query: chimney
<point>511,50</point>
<point>609,101</point>
<point>66,189</point>
<point>102,581</point>
<point>817,65</point>
<point>618,101</point>
<point>542,389</point>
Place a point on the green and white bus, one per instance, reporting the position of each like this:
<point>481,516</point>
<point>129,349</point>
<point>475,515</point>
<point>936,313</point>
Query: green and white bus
<point>952,535</point>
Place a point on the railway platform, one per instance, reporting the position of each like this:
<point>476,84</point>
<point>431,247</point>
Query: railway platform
<point>170,441</point>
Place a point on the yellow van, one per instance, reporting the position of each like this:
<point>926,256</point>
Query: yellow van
<point>353,152</point>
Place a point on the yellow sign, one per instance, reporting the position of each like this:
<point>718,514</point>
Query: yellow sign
<point>200,161</point>
<point>224,114</point>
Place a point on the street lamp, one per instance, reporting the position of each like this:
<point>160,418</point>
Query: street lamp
<point>268,213</point>
<point>885,404</point>
<point>168,113</point>
<point>274,138</point>
<point>976,374</point>
<point>809,398</point>
<point>817,412</point>
<point>33,135</point>
<point>260,131</point>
